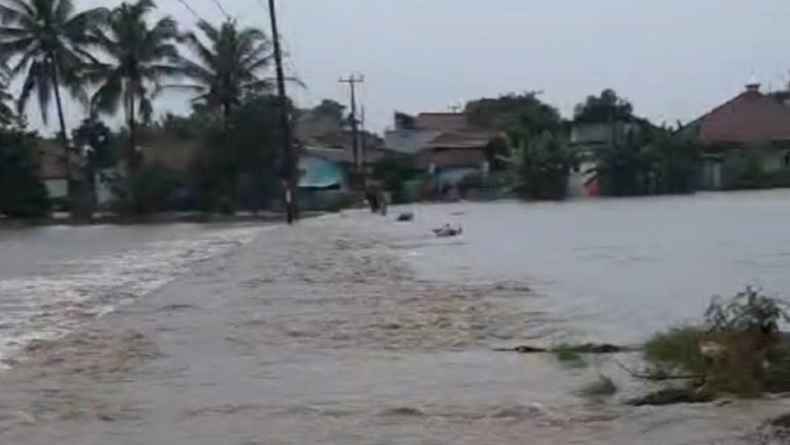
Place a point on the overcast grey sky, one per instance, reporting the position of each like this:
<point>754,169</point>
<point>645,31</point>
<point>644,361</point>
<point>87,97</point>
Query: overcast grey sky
<point>674,59</point>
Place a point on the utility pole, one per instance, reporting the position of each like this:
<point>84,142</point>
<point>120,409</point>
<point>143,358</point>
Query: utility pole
<point>352,81</point>
<point>364,143</point>
<point>289,169</point>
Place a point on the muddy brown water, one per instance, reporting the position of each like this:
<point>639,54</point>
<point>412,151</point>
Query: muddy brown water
<point>355,329</point>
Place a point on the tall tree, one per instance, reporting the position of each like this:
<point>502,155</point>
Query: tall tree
<point>141,56</point>
<point>229,64</point>
<point>514,113</point>
<point>45,40</point>
<point>606,107</point>
<point>7,114</point>
<point>22,193</point>
<point>541,166</point>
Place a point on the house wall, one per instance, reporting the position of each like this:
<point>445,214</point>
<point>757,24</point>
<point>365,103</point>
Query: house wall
<point>775,160</point>
<point>711,174</point>
<point>712,170</point>
<point>57,188</point>
<point>317,172</point>
<point>579,179</point>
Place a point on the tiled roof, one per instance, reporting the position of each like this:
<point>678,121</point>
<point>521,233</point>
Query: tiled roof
<point>751,117</point>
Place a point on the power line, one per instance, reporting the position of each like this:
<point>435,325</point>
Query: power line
<point>288,59</point>
<point>221,9</point>
<point>189,8</point>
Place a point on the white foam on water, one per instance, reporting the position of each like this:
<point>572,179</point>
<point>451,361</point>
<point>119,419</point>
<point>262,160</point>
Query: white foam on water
<point>68,294</point>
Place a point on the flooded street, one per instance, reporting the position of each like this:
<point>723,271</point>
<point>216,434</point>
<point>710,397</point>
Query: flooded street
<point>355,329</point>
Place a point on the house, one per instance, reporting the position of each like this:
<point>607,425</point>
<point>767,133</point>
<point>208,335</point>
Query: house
<point>52,168</point>
<point>587,140</point>
<point>326,174</point>
<point>445,145</point>
<point>751,125</point>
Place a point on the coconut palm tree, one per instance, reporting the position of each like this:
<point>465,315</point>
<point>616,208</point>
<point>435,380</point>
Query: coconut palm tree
<point>140,57</point>
<point>229,64</point>
<point>7,114</point>
<point>45,41</point>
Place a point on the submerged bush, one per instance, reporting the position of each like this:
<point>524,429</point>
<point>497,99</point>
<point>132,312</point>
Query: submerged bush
<point>737,350</point>
<point>677,350</point>
<point>569,356</point>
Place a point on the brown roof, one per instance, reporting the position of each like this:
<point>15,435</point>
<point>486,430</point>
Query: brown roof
<point>471,139</point>
<point>457,158</point>
<point>442,121</point>
<point>345,155</point>
<point>751,117</point>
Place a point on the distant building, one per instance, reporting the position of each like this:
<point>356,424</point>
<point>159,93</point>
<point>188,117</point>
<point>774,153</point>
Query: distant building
<point>445,145</point>
<point>587,140</point>
<point>325,174</point>
<point>750,124</point>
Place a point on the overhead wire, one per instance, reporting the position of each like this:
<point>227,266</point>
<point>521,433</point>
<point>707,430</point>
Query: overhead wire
<point>287,55</point>
<point>190,9</point>
<point>221,8</point>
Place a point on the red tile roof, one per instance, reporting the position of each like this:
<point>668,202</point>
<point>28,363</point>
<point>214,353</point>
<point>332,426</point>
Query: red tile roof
<point>751,117</point>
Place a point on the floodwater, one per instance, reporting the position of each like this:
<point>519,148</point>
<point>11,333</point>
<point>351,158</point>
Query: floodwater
<point>617,270</point>
<point>357,329</point>
<point>55,279</point>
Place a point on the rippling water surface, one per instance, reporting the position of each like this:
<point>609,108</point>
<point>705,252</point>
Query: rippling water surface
<point>620,269</point>
<point>356,329</point>
<point>53,279</point>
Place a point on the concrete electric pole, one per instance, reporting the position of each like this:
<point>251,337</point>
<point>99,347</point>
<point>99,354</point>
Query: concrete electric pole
<point>352,81</point>
<point>289,169</point>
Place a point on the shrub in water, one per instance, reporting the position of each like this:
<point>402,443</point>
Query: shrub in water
<point>737,350</point>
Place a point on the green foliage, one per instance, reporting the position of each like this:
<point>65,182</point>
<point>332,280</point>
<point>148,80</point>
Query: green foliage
<point>151,189</point>
<point>22,194</point>
<point>46,40</point>
<point>647,161</point>
<point>607,107</point>
<point>227,64</point>
<point>541,166</point>
<point>103,143</point>
<point>569,355</point>
<point>749,311</point>
<point>394,172</point>
<point>7,114</point>
<point>737,350</point>
<point>139,55</point>
<point>473,181</point>
<point>329,109</point>
<point>676,163</point>
<point>677,350</point>
<point>523,113</point>
<point>238,166</point>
